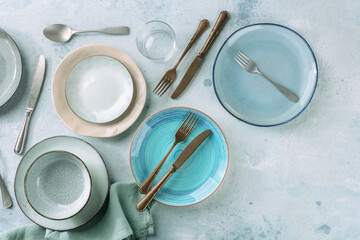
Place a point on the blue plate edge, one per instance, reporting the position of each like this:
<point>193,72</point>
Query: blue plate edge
<point>227,148</point>
<point>316,80</point>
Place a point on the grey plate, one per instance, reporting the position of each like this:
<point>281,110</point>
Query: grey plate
<point>97,170</point>
<point>10,67</point>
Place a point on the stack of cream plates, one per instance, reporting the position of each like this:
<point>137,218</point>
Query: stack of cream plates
<point>98,91</point>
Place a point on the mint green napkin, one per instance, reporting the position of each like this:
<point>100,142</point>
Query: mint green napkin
<point>118,220</point>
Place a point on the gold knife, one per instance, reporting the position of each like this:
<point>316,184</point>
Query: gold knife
<point>188,151</point>
<point>194,67</point>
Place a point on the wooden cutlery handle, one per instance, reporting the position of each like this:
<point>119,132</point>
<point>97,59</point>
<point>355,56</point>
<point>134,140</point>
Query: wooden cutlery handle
<point>223,17</point>
<point>203,25</point>
<point>143,203</point>
<point>145,186</point>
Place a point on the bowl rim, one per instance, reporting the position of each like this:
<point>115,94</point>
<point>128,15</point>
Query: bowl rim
<point>25,185</point>
<point>316,77</point>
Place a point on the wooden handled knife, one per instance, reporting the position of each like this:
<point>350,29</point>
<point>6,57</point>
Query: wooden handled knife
<point>195,65</point>
<point>184,155</point>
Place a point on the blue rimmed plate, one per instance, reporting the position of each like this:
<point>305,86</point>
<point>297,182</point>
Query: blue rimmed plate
<point>10,67</point>
<point>280,53</point>
<point>203,172</point>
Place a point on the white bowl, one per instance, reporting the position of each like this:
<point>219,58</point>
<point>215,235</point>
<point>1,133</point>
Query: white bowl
<point>57,185</point>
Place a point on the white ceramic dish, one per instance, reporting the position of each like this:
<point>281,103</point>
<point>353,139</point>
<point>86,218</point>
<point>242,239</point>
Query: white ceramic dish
<point>81,126</point>
<point>97,170</point>
<point>99,89</point>
<point>57,185</point>
<point>10,67</point>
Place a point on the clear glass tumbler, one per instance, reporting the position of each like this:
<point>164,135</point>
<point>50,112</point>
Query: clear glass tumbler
<point>156,40</point>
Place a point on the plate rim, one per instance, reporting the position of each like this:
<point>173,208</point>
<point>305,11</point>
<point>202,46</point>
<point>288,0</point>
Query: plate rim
<point>21,66</point>
<point>128,105</point>
<point>97,212</point>
<point>312,94</point>
<point>90,129</point>
<point>227,147</point>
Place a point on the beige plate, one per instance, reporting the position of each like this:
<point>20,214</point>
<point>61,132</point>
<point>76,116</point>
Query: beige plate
<point>78,124</point>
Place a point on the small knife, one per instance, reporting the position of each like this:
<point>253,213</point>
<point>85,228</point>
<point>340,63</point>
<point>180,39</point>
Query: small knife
<point>195,65</point>
<point>185,154</point>
<point>34,96</point>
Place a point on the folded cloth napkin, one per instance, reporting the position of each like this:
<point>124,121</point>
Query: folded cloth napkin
<point>118,220</point>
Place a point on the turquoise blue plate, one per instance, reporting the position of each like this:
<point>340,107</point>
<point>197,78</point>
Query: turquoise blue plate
<point>199,177</point>
<point>281,54</point>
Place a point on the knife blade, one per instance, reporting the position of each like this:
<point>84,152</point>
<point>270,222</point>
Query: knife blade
<point>37,83</point>
<point>189,75</point>
<point>34,96</point>
<point>195,65</point>
<point>181,159</point>
<point>190,149</point>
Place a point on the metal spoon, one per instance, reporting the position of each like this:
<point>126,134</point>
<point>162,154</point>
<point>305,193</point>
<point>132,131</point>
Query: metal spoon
<point>6,199</point>
<point>62,33</point>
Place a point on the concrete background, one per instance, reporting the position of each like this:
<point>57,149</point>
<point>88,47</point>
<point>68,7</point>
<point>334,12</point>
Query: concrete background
<point>295,181</point>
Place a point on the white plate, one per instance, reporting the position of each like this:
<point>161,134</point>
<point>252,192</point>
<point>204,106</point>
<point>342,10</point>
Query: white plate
<point>97,170</point>
<point>99,89</point>
<point>10,67</point>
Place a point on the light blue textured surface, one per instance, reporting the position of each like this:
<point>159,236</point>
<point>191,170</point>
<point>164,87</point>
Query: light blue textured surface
<point>299,180</point>
<point>200,175</point>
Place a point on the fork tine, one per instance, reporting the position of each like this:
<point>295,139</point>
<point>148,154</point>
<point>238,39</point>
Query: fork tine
<point>194,124</point>
<point>163,81</point>
<point>240,63</point>
<point>158,85</point>
<point>185,120</point>
<point>191,126</point>
<point>241,60</point>
<point>161,92</point>
<point>244,56</point>
<point>166,89</point>
<point>188,122</point>
<point>161,85</point>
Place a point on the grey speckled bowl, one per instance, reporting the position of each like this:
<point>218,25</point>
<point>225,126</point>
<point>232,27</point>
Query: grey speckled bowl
<point>57,185</point>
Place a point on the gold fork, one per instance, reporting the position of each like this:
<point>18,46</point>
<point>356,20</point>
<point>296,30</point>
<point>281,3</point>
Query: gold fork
<point>170,75</point>
<point>181,135</point>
